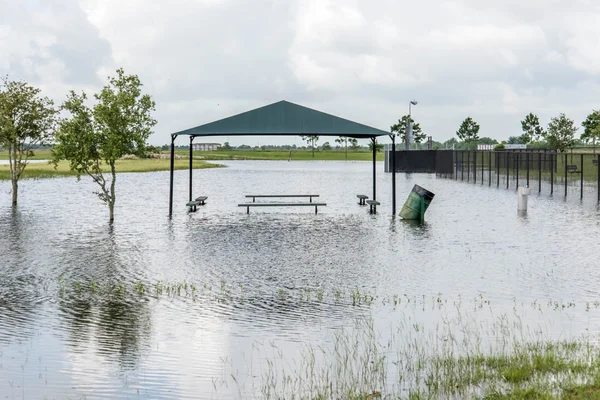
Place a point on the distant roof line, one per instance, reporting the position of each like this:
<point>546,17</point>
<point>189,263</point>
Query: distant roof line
<point>284,118</point>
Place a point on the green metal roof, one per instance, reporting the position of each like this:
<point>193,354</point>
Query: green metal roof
<point>285,119</point>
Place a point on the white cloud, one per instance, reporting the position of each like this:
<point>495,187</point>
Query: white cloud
<point>203,60</point>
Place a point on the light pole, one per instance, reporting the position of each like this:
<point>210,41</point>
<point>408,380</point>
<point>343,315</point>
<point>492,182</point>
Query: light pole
<point>408,135</point>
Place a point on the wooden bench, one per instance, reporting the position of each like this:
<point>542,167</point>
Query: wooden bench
<point>361,199</point>
<point>255,196</point>
<point>201,199</point>
<point>192,205</point>
<point>572,169</point>
<point>248,205</point>
<point>373,205</point>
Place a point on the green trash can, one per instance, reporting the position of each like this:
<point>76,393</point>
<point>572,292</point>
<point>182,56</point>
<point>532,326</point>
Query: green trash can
<point>412,206</point>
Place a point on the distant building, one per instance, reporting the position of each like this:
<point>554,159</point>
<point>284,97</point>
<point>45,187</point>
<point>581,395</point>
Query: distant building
<point>206,146</point>
<point>486,146</point>
<point>515,146</point>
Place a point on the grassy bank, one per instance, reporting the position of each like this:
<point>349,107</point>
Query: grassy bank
<point>296,155</point>
<point>45,170</point>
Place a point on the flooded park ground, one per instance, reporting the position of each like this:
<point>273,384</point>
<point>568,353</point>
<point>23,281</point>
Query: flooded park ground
<point>283,303</point>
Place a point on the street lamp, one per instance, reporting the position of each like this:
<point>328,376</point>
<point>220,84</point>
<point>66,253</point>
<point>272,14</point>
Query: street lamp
<point>413,103</point>
<point>408,135</point>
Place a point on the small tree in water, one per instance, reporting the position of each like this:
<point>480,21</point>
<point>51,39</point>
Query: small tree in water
<point>93,139</point>
<point>26,120</point>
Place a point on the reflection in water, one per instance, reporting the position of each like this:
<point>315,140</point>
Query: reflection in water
<point>279,277</point>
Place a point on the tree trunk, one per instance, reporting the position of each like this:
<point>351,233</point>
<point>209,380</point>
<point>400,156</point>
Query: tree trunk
<point>12,160</point>
<point>111,201</point>
<point>15,191</point>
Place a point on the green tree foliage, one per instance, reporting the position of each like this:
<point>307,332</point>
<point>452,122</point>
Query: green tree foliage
<point>532,131</point>
<point>27,120</point>
<point>311,140</point>
<point>561,133</point>
<point>591,128</point>
<point>400,128</point>
<point>226,146</point>
<point>487,140</point>
<point>93,139</point>
<point>353,143</point>
<point>468,131</point>
<point>378,146</point>
<point>343,140</point>
<point>326,146</point>
<point>515,140</point>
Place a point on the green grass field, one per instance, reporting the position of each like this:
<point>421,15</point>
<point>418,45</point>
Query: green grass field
<point>359,155</point>
<point>45,170</point>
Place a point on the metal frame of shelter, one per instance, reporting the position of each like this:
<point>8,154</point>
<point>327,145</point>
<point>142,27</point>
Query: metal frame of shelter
<point>278,119</point>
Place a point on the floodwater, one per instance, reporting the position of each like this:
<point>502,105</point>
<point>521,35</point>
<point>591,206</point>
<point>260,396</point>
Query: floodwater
<point>199,306</point>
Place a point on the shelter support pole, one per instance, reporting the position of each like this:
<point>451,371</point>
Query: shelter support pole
<point>191,166</point>
<point>374,167</point>
<point>171,175</point>
<point>393,136</point>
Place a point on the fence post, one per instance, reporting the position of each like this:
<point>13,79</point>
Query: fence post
<point>475,166</point>
<point>498,169</point>
<point>490,168</point>
<point>507,170</point>
<point>551,174</point>
<point>566,161</point>
<point>468,165</point>
<point>581,194</point>
<point>527,160</point>
<point>540,172</point>
<point>462,169</point>
<point>517,165</point>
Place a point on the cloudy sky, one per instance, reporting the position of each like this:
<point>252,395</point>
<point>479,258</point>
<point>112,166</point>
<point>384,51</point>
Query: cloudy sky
<point>203,60</point>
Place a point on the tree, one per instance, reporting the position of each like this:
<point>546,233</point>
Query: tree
<point>561,133</point>
<point>487,140</point>
<point>312,141</point>
<point>591,128</point>
<point>400,129</point>
<point>344,140</point>
<point>468,131</point>
<point>93,139</point>
<point>226,146</point>
<point>354,143</point>
<point>27,120</point>
<point>326,146</point>
<point>515,140</point>
<point>378,146</point>
<point>532,131</point>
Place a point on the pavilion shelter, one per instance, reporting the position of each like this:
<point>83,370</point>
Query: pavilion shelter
<point>278,119</point>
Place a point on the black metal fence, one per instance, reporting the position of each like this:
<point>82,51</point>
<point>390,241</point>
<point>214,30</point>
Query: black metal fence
<point>568,173</point>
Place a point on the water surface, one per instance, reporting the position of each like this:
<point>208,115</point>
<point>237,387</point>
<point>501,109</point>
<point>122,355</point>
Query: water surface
<point>274,279</point>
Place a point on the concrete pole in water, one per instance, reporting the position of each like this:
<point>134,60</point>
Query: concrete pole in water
<point>522,195</point>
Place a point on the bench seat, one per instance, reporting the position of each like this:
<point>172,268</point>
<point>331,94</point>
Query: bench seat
<point>373,205</point>
<point>362,198</point>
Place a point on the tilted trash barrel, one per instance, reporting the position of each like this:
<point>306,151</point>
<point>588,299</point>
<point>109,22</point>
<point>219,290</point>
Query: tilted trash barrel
<point>417,203</point>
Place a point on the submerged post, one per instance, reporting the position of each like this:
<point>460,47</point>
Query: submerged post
<point>171,175</point>
<point>581,178</point>
<point>191,165</point>
<point>374,167</point>
<point>393,136</point>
